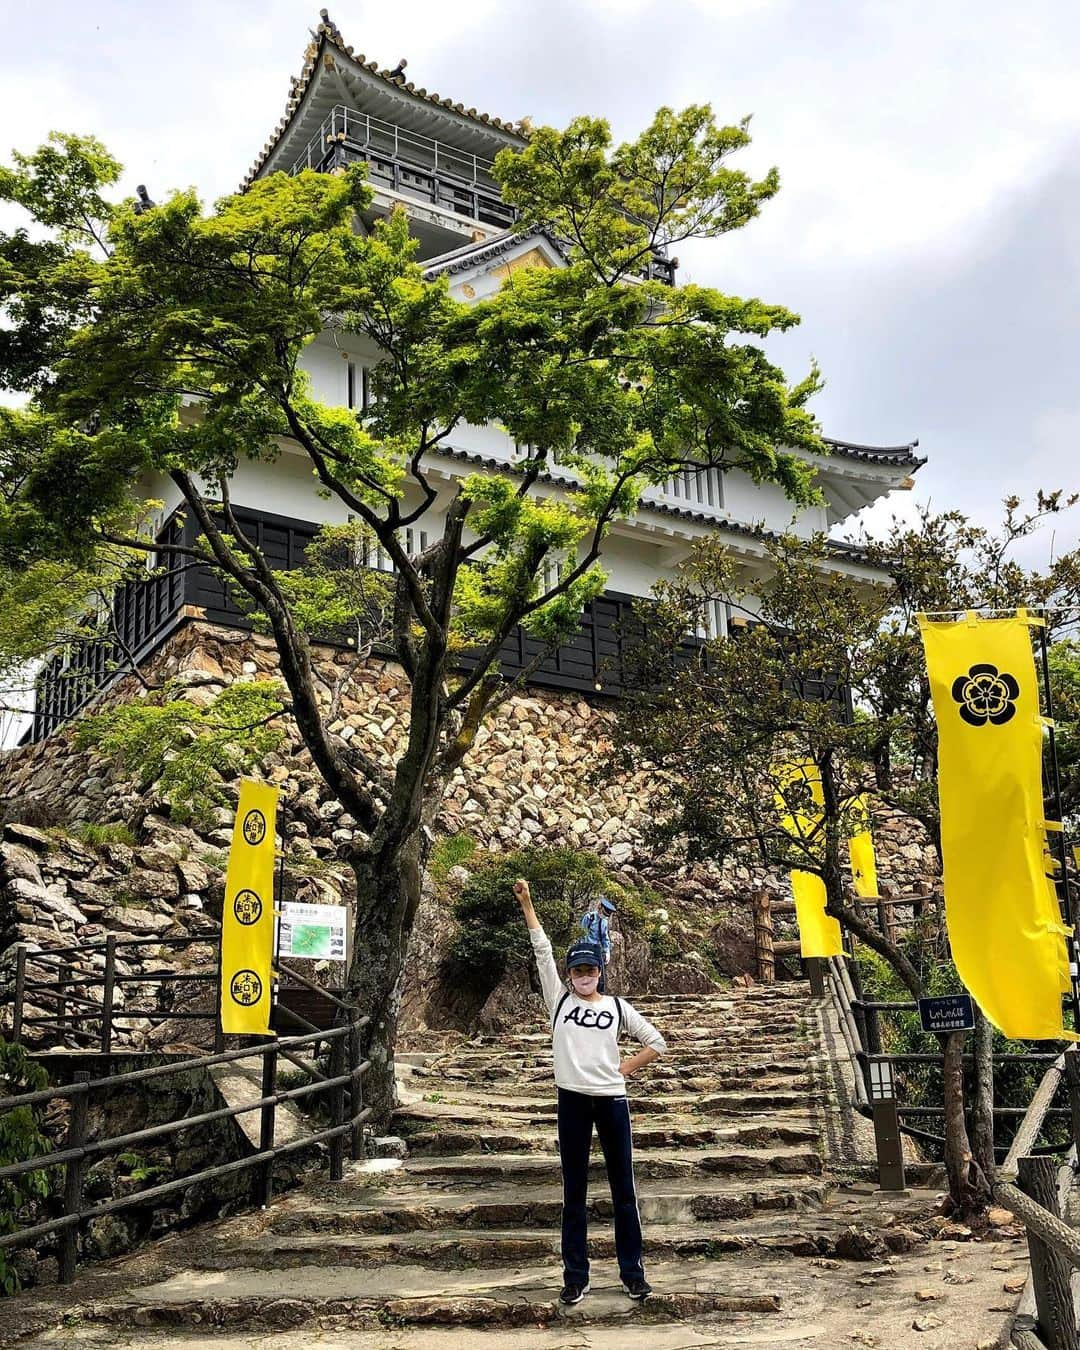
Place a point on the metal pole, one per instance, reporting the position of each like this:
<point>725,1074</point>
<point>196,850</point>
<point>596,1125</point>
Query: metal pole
<point>1063,890</point>
<point>356,1090</point>
<point>73,1179</point>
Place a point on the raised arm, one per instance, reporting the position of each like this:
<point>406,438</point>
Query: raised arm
<point>524,899</point>
<point>550,982</point>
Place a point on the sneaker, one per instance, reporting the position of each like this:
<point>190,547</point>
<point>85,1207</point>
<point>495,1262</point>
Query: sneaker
<point>638,1290</point>
<point>573,1293</point>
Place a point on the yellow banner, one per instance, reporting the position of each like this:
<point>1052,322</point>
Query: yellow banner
<point>819,933</point>
<point>861,851</point>
<point>247,920</point>
<point>1006,935</point>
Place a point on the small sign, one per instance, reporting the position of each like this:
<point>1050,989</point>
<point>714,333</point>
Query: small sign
<point>313,932</point>
<point>950,1012</point>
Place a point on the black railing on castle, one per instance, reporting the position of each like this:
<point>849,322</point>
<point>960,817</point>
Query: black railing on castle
<point>426,170</point>
<point>145,612</point>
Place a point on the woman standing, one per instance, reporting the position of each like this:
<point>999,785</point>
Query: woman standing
<point>591,1082</point>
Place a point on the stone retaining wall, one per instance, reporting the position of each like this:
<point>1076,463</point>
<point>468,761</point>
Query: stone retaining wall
<point>530,780</point>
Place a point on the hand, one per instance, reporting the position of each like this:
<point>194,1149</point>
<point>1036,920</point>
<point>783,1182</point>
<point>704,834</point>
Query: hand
<point>628,1068</point>
<point>521,890</point>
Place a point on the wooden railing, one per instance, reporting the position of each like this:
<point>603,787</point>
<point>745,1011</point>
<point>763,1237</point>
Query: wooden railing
<point>1028,1185</point>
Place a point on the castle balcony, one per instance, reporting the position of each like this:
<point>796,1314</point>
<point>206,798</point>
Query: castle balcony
<point>460,185</point>
<point>409,164</point>
<point>145,612</point>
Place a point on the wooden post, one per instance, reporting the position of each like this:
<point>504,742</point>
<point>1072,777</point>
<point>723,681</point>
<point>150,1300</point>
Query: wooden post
<point>1050,1272</point>
<point>65,977</point>
<point>763,937</point>
<point>109,994</point>
<point>20,992</point>
<point>1072,1077</point>
<point>337,1108</point>
<point>73,1179</point>
<point>356,1094</point>
<point>264,1189</point>
<point>815,971</point>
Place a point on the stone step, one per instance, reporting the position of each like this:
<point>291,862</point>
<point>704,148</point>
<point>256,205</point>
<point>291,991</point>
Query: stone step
<point>459,1248</point>
<point>425,1116</point>
<point>484,1139</point>
<point>503,1207</point>
<point>762,1099</point>
<point>474,1168</point>
<point>403,1296</point>
<point>530,1086</point>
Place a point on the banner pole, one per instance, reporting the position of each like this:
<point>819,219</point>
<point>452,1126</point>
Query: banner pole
<point>1064,891</point>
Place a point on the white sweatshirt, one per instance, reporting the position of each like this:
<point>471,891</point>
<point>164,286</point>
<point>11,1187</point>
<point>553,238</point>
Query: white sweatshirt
<point>585,1036</point>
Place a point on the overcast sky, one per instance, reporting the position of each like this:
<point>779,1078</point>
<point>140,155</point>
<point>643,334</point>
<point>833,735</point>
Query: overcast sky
<point>928,226</point>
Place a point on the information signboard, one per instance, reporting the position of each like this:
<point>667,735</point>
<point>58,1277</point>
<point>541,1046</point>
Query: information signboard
<point>950,1012</point>
<point>313,932</point>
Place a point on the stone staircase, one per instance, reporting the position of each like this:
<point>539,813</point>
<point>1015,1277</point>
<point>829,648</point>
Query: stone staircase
<point>459,1244</point>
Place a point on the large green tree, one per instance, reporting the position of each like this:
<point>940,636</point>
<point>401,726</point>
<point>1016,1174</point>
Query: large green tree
<point>169,341</point>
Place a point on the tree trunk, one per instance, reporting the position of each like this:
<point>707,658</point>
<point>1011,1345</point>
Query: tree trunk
<point>387,897</point>
<point>968,1186</point>
<point>983,1108</point>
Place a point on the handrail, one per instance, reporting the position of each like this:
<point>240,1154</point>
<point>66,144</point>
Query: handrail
<point>347,1070</point>
<point>1031,1126</point>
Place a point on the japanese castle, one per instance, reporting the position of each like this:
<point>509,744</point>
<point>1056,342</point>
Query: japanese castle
<point>433,157</point>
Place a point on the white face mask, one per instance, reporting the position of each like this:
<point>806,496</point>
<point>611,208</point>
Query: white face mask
<point>584,985</point>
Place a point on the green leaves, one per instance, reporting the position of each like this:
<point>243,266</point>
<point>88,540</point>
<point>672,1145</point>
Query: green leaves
<point>189,750</point>
<point>20,1140</point>
<point>616,206</point>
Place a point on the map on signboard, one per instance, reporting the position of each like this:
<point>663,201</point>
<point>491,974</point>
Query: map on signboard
<point>312,932</point>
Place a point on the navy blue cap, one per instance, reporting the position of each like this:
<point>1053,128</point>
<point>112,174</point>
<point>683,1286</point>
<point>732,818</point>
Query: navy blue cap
<point>584,954</point>
<point>607,906</point>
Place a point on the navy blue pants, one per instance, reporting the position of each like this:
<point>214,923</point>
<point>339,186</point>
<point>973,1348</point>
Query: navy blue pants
<point>578,1113</point>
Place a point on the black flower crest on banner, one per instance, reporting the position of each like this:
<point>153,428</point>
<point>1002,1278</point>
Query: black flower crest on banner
<point>985,695</point>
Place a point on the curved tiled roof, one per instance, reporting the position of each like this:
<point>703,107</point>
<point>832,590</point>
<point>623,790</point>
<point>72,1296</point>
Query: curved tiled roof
<point>483,250</point>
<point>900,456</point>
<point>328,35</point>
<point>852,552</point>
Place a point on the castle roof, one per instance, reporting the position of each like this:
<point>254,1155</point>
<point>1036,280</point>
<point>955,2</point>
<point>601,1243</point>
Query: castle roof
<point>328,59</point>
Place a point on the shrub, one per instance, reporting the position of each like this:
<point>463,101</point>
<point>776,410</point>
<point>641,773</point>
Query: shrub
<point>491,938</point>
<point>20,1139</point>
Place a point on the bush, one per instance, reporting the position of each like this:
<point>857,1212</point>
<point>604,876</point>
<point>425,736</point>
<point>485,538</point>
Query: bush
<point>492,939</point>
<point>20,1139</point>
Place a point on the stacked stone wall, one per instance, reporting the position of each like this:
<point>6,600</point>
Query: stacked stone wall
<point>531,780</point>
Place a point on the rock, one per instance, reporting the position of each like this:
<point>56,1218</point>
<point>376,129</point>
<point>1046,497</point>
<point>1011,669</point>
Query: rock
<point>389,1146</point>
<point>860,1244</point>
<point>193,875</point>
<point>44,899</point>
<point>19,861</point>
<point>38,840</point>
<point>134,920</point>
<point>108,1235</point>
<point>154,885</point>
<point>999,1218</point>
<point>927,1322</point>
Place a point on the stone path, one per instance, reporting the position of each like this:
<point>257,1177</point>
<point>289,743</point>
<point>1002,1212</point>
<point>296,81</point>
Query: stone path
<point>749,1239</point>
